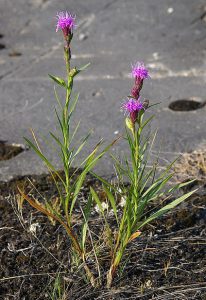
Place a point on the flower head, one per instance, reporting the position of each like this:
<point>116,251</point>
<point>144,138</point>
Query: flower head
<point>132,105</point>
<point>66,22</point>
<point>139,71</point>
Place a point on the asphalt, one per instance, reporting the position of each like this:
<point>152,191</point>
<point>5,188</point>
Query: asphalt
<point>169,36</point>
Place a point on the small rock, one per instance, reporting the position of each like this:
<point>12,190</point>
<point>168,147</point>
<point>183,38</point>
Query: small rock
<point>83,36</point>
<point>170,10</point>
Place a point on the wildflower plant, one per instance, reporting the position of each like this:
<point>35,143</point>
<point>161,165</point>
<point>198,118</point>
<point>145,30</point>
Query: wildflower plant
<point>143,186</point>
<point>69,185</point>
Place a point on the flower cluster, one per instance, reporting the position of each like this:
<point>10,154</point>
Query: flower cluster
<point>133,104</point>
<point>139,71</point>
<point>65,22</point>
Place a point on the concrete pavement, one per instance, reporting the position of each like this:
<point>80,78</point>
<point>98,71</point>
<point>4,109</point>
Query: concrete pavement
<point>169,36</point>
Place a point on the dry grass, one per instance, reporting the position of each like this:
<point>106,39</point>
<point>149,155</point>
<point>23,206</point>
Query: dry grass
<point>192,165</point>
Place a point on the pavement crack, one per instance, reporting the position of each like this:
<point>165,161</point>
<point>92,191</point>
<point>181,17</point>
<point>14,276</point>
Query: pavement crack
<point>47,53</point>
<point>201,17</point>
<point>41,4</point>
<point>86,22</point>
<point>24,109</point>
<point>5,74</point>
<point>109,4</point>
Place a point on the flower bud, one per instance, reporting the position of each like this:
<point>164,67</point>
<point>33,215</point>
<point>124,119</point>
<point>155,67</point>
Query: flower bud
<point>145,104</point>
<point>129,123</point>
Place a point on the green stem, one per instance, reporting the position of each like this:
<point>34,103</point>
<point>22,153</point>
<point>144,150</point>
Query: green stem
<point>137,162</point>
<point>115,263</point>
<point>67,56</point>
<point>136,169</point>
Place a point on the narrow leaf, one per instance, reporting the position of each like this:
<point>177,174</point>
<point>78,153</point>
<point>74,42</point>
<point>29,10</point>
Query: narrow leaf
<point>39,153</point>
<point>86,214</point>
<point>112,201</point>
<point>166,208</point>
<point>134,236</point>
<point>49,214</point>
<point>58,80</point>
<point>84,67</point>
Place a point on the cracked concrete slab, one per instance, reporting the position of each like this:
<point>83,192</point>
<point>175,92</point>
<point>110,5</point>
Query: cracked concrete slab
<point>169,36</point>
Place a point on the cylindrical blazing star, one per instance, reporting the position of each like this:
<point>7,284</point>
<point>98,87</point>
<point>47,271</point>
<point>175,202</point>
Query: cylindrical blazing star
<point>139,72</point>
<point>65,22</point>
<point>133,106</point>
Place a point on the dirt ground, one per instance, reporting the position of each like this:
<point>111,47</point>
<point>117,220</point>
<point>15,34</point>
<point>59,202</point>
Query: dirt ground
<point>167,261</point>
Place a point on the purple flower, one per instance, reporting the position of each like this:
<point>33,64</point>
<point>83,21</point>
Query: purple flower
<point>132,105</point>
<point>66,22</point>
<point>139,71</point>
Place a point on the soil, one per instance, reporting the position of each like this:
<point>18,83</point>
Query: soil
<point>166,262</point>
